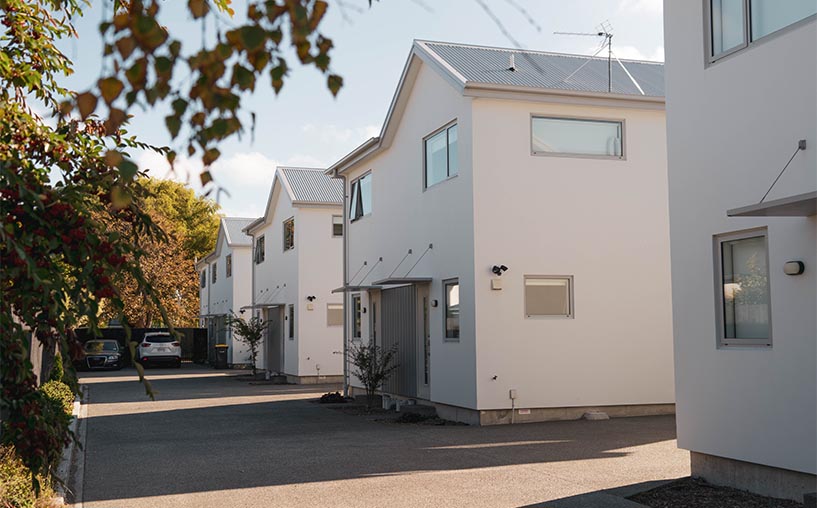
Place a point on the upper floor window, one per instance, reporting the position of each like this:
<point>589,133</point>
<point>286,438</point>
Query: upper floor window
<point>361,203</point>
<point>743,289</point>
<point>259,250</point>
<point>441,156</point>
<point>580,137</point>
<point>229,268</point>
<point>289,234</point>
<point>337,225</point>
<point>203,281</point>
<point>214,272</point>
<point>735,24</point>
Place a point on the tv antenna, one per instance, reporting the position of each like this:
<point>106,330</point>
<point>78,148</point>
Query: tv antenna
<point>605,30</point>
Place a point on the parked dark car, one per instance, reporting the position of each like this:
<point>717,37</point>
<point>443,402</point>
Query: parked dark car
<point>102,354</point>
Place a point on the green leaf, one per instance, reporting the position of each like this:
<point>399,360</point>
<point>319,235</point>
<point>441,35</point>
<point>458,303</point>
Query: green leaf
<point>174,124</point>
<point>86,102</point>
<point>252,37</point>
<point>110,88</point>
<point>334,82</point>
<point>179,106</point>
<point>210,156</point>
<point>127,168</point>
<point>206,178</point>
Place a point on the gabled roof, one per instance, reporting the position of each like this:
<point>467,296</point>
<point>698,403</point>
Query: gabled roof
<point>305,187</point>
<point>313,186</point>
<point>233,227</point>
<point>539,69</point>
<point>475,70</point>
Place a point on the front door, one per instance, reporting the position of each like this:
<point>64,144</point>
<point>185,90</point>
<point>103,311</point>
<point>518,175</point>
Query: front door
<point>423,343</point>
<point>398,324</point>
<point>275,349</point>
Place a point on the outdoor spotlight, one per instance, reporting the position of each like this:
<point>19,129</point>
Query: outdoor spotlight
<point>499,270</point>
<point>311,298</point>
<point>241,311</point>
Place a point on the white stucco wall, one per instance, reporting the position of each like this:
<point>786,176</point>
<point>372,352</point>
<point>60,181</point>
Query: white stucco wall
<point>405,216</point>
<point>731,128</point>
<point>320,270</point>
<point>604,222</point>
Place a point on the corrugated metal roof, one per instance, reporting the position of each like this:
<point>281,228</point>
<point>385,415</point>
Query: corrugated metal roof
<point>233,230</point>
<point>313,186</point>
<point>536,69</point>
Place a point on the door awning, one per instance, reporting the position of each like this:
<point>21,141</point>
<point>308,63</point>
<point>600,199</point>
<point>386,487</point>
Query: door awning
<point>801,205</point>
<point>402,281</point>
<point>352,289</point>
<point>262,306</point>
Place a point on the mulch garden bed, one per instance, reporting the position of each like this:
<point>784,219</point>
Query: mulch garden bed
<point>695,493</point>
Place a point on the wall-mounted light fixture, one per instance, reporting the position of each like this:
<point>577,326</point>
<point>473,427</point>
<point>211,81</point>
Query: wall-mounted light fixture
<point>498,270</point>
<point>311,298</point>
<point>794,268</point>
<point>434,303</point>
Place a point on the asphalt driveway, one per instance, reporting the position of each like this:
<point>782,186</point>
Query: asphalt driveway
<point>212,441</point>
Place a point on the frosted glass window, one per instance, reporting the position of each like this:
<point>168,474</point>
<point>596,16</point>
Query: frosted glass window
<point>547,296</point>
<point>356,317</point>
<point>745,289</point>
<point>771,15</point>
<point>728,25</point>
<point>441,158</point>
<point>337,225</point>
<point>452,309</point>
<point>334,314</point>
<point>577,137</point>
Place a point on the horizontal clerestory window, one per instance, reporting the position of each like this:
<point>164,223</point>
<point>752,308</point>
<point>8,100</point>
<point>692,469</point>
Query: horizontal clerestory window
<point>578,137</point>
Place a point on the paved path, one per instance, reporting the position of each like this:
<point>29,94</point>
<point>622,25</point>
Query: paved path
<point>212,441</point>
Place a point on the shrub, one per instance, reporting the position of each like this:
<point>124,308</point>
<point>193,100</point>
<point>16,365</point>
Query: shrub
<point>373,365</point>
<point>57,371</point>
<point>332,398</point>
<point>16,489</point>
<point>61,393</point>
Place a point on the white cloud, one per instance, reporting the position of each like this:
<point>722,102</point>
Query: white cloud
<point>642,6</point>
<point>334,142</point>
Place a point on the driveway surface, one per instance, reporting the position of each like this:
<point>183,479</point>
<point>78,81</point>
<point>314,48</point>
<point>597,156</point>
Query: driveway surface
<point>211,441</point>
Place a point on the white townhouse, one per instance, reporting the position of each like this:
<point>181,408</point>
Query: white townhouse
<point>508,231</point>
<point>297,262</point>
<point>742,146</point>
<point>225,280</point>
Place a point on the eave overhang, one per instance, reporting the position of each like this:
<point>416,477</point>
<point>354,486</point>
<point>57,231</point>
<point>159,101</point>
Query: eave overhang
<point>801,205</point>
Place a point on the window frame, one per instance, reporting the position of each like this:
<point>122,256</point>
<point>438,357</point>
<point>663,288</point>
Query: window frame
<point>352,194</point>
<point>260,250</point>
<point>571,289</point>
<point>291,323</point>
<point>449,176</point>
<point>357,317</point>
<point>723,342</point>
<point>203,279</point>
<point>334,306</point>
<point>549,116</point>
<point>451,282</point>
<point>290,220</point>
<point>341,224</point>
<point>228,268</point>
<point>214,272</point>
<point>748,41</point>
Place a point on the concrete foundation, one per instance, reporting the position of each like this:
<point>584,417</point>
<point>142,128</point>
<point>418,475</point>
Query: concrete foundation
<point>314,380</point>
<point>757,478</point>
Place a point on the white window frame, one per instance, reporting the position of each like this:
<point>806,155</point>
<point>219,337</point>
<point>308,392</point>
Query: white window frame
<point>448,176</point>
<point>340,223</point>
<point>748,41</point>
<point>547,116</point>
<point>290,220</point>
<point>722,341</point>
<point>571,309</point>
<point>352,204</point>
<point>260,248</point>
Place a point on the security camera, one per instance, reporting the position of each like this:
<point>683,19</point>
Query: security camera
<point>499,270</point>
<point>311,298</point>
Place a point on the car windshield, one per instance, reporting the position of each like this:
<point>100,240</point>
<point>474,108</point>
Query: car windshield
<point>158,338</point>
<point>98,346</point>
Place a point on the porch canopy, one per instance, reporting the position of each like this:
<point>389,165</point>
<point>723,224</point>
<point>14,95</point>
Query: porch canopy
<point>402,281</point>
<point>261,306</point>
<point>353,288</point>
<point>801,205</point>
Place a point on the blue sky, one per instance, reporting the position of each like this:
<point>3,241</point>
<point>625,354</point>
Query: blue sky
<point>305,125</point>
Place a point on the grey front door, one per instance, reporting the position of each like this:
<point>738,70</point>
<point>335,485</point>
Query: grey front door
<point>398,313</point>
<point>275,350</point>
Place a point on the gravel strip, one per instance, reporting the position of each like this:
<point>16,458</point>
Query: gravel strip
<point>695,493</point>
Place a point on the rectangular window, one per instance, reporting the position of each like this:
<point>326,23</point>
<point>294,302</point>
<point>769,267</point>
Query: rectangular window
<point>214,272</point>
<point>451,289</point>
<point>567,136</point>
<point>291,321</point>
<point>289,234</point>
<point>337,225</point>
<point>203,282</point>
<point>736,24</point>
<point>259,250</point>
<point>441,157</point>
<point>356,317</point>
<point>743,289</point>
<point>229,271</point>
<point>548,296</point>
<point>361,202</point>
<point>334,314</point>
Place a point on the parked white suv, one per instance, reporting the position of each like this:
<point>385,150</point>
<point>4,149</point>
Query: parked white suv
<point>159,347</point>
